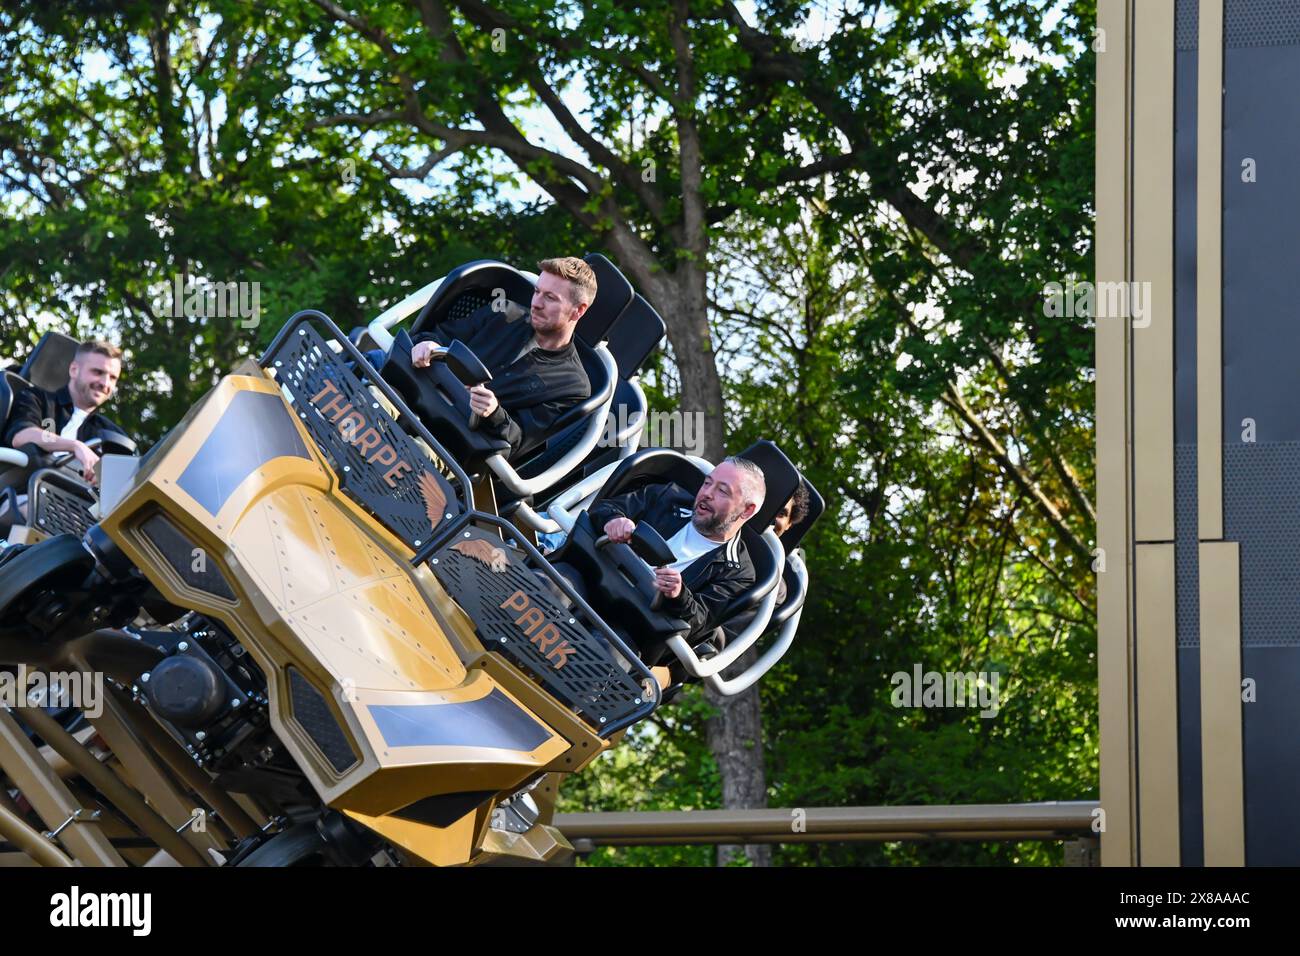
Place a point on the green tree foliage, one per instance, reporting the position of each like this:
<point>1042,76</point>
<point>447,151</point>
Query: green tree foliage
<point>154,142</point>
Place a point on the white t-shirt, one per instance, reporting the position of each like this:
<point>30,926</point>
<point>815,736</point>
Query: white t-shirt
<point>74,423</point>
<point>688,544</point>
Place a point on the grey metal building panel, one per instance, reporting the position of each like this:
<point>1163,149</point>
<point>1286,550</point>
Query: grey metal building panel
<point>1186,546</point>
<point>1261,343</point>
<point>1261,242</point>
<point>1187,620</point>
<point>1256,23</point>
<point>1191,836</point>
<point>1261,511</point>
<point>1186,24</point>
<point>1272,755</point>
<point>1187,624</point>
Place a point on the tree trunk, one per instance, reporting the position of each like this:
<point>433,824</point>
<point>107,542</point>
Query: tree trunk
<point>736,739</point>
<point>735,735</point>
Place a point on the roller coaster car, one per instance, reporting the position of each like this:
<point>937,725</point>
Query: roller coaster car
<point>58,499</point>
<point>310,631</point>
<point>360,667</point>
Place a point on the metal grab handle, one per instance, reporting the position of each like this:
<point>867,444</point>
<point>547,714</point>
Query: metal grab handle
<point>564,505</point>
<point>745,680</point>
<point>535,521</point>
<point>711,668</point>
<point>573,457</point>
<point>12,456</point>
<point>413,303</point>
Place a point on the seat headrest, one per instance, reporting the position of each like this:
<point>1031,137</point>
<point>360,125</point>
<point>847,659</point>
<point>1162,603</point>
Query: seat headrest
<point>780,476</point>
<point>613,293</point>
<point>472,286</point>
<point>47,366</point>
<point>652,466</point>
<point>636,334</point>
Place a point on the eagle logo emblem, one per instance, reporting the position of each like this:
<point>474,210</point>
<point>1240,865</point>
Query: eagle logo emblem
<point>483,551</point>
<point>435,502</point>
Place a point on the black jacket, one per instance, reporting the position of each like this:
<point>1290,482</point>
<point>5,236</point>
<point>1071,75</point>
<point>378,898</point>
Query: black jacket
<point>710,583</point>
<point>534,391</point>
<point>37,408</point>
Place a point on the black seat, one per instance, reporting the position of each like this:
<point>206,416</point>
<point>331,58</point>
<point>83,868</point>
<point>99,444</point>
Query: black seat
<point>652,466</point>
<point>781,478</point>
<point>602,389</point>
<point>635,335</point>
<point>47,366</point>
<point>613,295</point>
<point>11,384</point>
<point>796,585</point>
<point>632,339</point>
<point>816,506</point>
<point>7,397</point>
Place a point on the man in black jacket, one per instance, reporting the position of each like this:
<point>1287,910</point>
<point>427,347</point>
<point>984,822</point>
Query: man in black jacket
<point>703,531</point>
<point>537,374</point>
<point>65,420</point>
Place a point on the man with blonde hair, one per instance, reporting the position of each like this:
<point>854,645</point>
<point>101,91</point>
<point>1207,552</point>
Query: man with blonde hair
<point>537,374</point>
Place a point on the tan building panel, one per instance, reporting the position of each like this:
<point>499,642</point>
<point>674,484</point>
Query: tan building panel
<point>1209,272</point>
<point>1151,300</point>
<point>1157,708</point>
<point>1114,532</point>
<point>1221,748</point>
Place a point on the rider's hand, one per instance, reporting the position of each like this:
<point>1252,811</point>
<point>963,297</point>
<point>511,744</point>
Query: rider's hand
<point>421,354</point>
<point>620,529</point>
<point>668,581</point>
<point>482,401</point>
<point>87,459</point>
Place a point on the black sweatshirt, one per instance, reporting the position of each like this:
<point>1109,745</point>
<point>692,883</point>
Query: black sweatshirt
<point>532,391</point>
